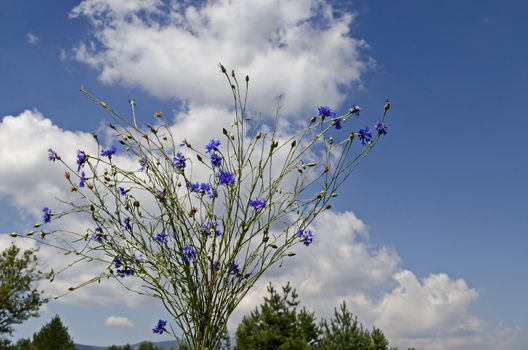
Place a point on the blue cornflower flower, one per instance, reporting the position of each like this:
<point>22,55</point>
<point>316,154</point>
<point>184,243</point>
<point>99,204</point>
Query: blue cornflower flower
<point>179,161</point>
<point>46,216</point>
<point>257,203</point>
<point>325,111</point>
<point>226,178</point>
<point>234,268</point>
<point>160,327</point>
<point>126,225</point>
<point>193,186</point>
<point>161,237</point>
<point>215,265</point>
<point>108,152</point>
<point>189,254</point>
<point>382,128</point>
<point>354,110</point>
<point>122,191</point>
<point>117,263</point>
<point>365,135</point>
<point>337,123</point>
<point>211,227</point>
<point>142,164</point>
<point>212,145</point>
<point>306,236</point>
<point>125,272</point>
<point>81,159</point>
<point>98,235</point>
<point>216,160</point>
<point>82,180</point>
<point>52,155</point>
<point>161,196</point>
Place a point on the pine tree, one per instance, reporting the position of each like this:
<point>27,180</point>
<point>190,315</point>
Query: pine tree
<point>277,325</point>
<point>53,336</point>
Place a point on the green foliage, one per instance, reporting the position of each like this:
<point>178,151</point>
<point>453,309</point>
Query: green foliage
<point>24,344</point>
<point>124,347</point>
<point>277,325</point>
<point>148,346</point>
<point>344,332</point>
<point>19,299</point>
<point>53,336</point>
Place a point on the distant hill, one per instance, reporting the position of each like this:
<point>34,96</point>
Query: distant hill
<point>166,345</point>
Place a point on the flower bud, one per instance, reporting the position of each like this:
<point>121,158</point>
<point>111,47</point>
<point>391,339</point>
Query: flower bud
<point>313,119</point>
<point>259,135</point>
<point>67,175</point>
<point>158,115</point>
<point>247,78</point>
<point>331,141</point>
<point>387,105</point>
<point>294,143</point>
<point>222,68</point>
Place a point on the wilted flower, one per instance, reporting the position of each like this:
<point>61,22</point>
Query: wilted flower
<point>233,268</point>
<point>52,155</point>
<point>98,235</point>
<point>142,164</point>
<point>126,225</point>
<point>365,135</point>
<point>306,236</point>
<point>354,110</point>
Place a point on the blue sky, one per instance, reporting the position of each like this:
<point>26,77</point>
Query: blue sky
<point>445,189</point>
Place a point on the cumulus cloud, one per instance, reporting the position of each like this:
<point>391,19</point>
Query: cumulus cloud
<point>118,321</point>
<point>32,38</point>
<point>301,50</point>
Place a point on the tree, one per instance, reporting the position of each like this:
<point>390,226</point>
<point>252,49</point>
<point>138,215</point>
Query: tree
<point>53,336</point>
<point>277,325</point>
<point>148,346</point>
<point>344,332</point>
<point>24,344</point>
<point>19,298</point>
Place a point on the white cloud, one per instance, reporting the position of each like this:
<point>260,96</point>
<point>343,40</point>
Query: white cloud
<point>32,38</point>
<point>295,48</point>
<point>118,321</point>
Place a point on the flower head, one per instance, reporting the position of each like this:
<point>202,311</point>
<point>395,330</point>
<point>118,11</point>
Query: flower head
<point>257,203</point>
<point>212,145</point>
<point>226,178</point>
<point>189,254</point>
<point>216,160</point>
<point>122,191</point>
<point>126,225</point>
<point>381,128</point>
<point>325,111</point>
<point>98,235</point>
<point>161,237</point>
<point>46,214</point>
<point>81,159</point>
<point>108,152</point>
<point>306,236</point>
<point>233,268</point>
<point>365,135</point>
<point>162,197</point>
<point>82,180</point>
<point>211,227</point>
<point>354,110</point>
<point>337,122</point>
<point>52,155</point>
<point>179,161</point>
<point>160,327</point>
<point>142,164</point>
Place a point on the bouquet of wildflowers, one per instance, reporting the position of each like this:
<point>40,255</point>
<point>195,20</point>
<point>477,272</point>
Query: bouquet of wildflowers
<point>199,225</point>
